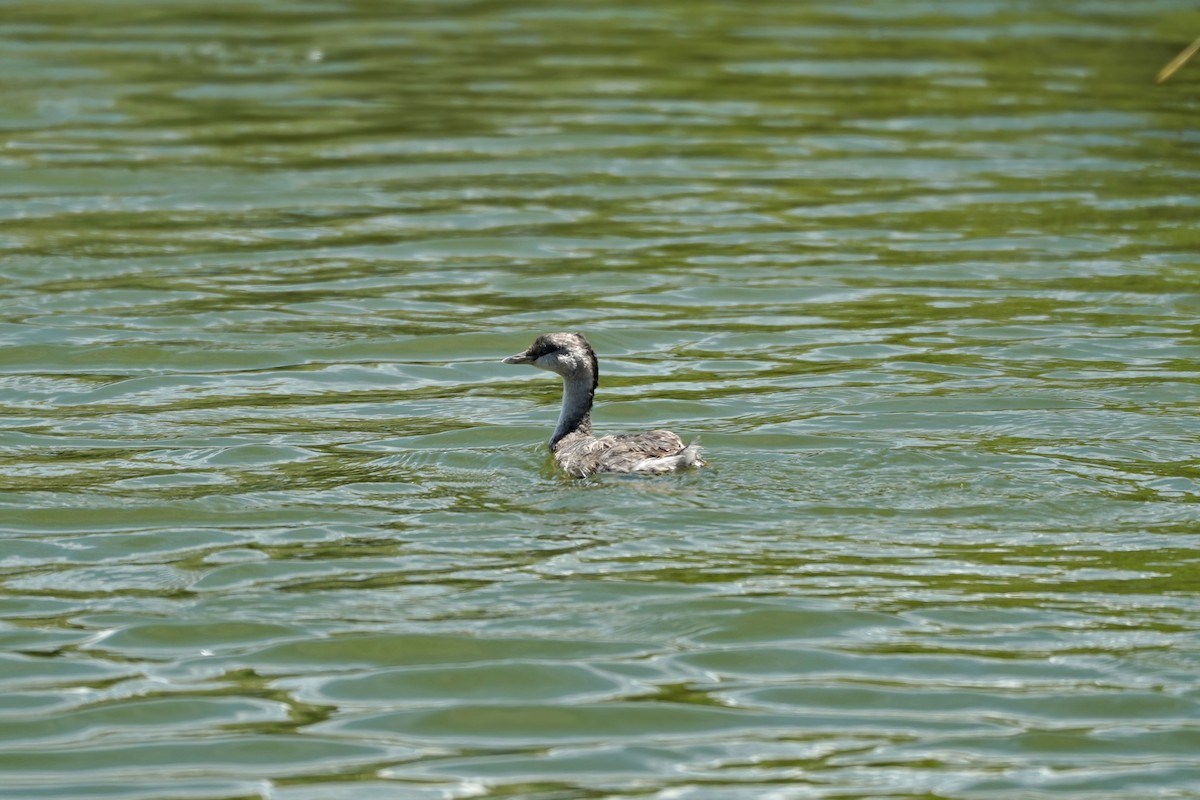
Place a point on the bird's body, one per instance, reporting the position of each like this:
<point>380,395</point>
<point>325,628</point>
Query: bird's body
<point>575,449</point>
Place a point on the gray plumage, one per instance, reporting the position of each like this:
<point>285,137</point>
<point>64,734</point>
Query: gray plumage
<point>575,449</point>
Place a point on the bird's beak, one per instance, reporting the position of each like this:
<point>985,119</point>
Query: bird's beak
<point>519,358</point>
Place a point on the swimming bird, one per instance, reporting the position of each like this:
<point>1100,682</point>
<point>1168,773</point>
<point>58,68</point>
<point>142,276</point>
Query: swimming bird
<point>575,449</point>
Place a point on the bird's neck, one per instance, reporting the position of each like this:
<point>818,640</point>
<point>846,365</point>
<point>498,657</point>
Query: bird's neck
<point>576,416</point>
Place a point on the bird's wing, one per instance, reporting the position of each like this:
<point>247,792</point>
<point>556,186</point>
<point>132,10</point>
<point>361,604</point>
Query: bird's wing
<point>624,452</point>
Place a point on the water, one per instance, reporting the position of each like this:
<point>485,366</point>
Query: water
<point>278,524</point>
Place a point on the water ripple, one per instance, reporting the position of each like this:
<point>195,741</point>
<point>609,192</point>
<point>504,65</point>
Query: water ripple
<point>277,522</point>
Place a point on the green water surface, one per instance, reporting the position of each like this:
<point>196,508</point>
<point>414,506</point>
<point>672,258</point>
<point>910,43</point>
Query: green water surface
<point>275,523</point>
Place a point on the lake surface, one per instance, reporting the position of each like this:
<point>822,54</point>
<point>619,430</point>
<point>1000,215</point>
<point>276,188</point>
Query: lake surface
<point>276,523</point>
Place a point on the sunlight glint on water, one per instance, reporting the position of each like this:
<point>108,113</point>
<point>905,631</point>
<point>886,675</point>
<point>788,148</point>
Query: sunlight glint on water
<point>276,523</point>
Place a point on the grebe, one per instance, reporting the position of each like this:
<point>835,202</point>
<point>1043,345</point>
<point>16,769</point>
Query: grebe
<point>575,449</point>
